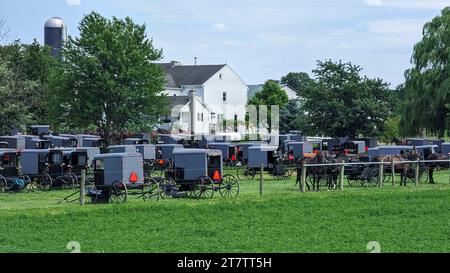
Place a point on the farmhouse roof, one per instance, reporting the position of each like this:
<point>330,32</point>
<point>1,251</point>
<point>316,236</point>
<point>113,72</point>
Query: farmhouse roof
<point>178,75</point>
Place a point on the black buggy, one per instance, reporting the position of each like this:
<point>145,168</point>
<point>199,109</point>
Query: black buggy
<point>118,175</point>
<point>198,173</point>
<point>11,178</point>
<point>277,166</point>
<point>164,158</point>
<point>229,152</point>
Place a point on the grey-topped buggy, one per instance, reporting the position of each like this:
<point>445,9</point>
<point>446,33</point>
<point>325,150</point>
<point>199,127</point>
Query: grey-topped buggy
<point>118,175</point>
<point>199,173</point>
<point>269,157</point>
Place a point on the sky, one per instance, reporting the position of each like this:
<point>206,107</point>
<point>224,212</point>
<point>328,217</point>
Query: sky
<point>259,39</point>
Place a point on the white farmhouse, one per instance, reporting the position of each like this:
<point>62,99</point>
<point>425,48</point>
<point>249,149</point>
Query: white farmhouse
<point>220,94</point>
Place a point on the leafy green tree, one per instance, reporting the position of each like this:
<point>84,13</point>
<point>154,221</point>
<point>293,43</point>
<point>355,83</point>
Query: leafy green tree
<point>31,63</point>
<point>108,78</point>
<point>14,109</point>
<point>426,108</point>
<point>299,81</point>
<point>270,95</point>
<point>342,103</point>
<point>392,129</point>
<point>288,116</point>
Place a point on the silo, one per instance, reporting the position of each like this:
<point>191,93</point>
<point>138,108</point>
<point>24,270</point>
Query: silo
<point>55,33</point>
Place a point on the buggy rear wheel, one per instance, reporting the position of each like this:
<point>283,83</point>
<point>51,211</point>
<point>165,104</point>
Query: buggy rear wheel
<point>31,185</point>
<point>204,187</point>
<point>3,183</point>
<point>151,190</point>
<point>91,193</point>
<point>229,187</point>
<point>45,183</point>
<point>118,192</point>
<point>64,182</point>
<point>245,173</point>
<point>168,188</point>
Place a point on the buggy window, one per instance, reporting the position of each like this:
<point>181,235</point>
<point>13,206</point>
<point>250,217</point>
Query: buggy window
<point>8,160</point>
<point>82,160</point>
<point>73,142</point>
<point>99,165</point>
<point>214,161</point>
<point>55,158</point>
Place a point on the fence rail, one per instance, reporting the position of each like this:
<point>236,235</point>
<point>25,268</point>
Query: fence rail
<point>381,174</point>
<point>375,163</point>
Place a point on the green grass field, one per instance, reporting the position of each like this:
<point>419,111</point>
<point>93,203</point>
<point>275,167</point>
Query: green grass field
<point>401,219</point>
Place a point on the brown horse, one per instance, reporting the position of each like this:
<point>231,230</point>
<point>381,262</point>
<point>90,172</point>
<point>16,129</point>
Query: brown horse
<point>402,169</point>
<point>434,165</point>
<point>318,173</point>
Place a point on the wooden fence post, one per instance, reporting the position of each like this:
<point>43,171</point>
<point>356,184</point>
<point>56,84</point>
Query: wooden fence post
<point>341,176</point>
<point>393,172</point>
<point>416,173</point>
<point>380,174</point>
<point>303,181</point>
<point>82,186</point>
<point>261,179</point>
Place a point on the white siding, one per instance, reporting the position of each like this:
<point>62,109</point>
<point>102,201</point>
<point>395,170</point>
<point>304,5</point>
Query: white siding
<point>290,92</point>
<point>236,91</point>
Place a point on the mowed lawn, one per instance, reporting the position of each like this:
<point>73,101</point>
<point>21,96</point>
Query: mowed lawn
<point>401,219</point>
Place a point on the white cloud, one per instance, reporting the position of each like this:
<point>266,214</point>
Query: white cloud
<point>397,26</point>
<point>374,2</point>
<point>410,4</point>
<point>73,2</point>
<point>231,42</point>
<point>221,27</point>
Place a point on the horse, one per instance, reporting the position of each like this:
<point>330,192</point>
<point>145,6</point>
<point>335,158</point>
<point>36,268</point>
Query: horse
<point>398,168</point>
<point>319,172</point>
<point>433,165</point>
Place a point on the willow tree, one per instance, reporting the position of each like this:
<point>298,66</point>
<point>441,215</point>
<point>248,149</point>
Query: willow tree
<point>108,79</point>
<point>426,107</point>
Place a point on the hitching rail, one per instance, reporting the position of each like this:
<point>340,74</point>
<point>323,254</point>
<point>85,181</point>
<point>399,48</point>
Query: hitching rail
<point>392,163</point>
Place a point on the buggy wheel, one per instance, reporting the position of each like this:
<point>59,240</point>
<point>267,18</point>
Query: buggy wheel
<point>91,193</point>
<point>351,182</point>
<point>324,180</point>
<point>151,190</point>
<point>63,182</point>
<point>118,192</point>
<point>46,181</point>
<point>229,187</point>
<point>168,188</point>
<point>75,180</point>
<point>204,187</point>
<point>245,173</point>
<point>31,185</point>
<point>3,183</point>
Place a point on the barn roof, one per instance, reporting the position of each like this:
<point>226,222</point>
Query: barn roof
<point>178,75</point>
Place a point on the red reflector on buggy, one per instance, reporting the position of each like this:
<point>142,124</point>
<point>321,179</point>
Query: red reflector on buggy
<point>216,176</point>
<point>291,157</point>
<point>366,148</point>
<point>233,158</point>
<point>345,152</point>
<point>161,162</point>
<point>134,177</point>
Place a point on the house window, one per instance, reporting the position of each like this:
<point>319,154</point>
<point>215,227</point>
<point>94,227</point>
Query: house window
<point>202,116</point>
<point>199,117</point>
<point>235,123</point>
<point>224,96</point>
<point>220,76</point>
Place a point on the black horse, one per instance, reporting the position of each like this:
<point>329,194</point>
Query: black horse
<point>319,173</point>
